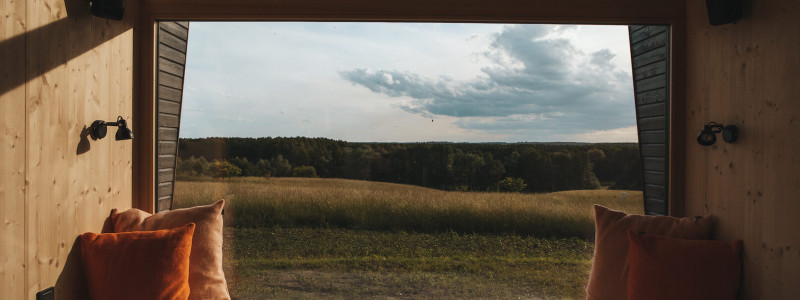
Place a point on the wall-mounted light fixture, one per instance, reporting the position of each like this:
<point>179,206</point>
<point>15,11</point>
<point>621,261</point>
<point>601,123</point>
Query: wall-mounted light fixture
<point>708,135</point>
<point>99,129</point>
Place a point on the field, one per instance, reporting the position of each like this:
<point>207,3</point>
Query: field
<point>333,238</point>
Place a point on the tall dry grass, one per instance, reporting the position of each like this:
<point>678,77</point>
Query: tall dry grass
<point>353,204</point>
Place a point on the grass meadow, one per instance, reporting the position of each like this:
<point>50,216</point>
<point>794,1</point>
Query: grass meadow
<point>303,238</point>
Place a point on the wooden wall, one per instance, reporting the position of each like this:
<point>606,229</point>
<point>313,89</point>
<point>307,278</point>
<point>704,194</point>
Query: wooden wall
<point>650,53</point>
<point>172,39</point>
<point>60,69</point>
<point>748,74</point>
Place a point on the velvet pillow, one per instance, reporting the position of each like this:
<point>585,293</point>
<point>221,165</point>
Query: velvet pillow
<point>609,269</point>
<point>206,278</point>
<point>670,268</point>
<point>138,265</point>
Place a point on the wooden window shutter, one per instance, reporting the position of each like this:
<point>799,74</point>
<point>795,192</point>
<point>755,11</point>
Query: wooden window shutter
<point>172,38</point>
<point>650,54</point>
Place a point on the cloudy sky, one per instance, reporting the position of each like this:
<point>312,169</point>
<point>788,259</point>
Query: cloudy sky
<point>409,82</point>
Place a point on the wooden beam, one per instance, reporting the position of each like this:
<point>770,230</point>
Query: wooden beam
<point>677,121</point>
<point>144,173</point>
<point>536,11</point>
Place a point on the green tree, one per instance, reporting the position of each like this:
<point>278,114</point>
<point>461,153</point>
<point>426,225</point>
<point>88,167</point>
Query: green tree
<point>280,167</point>
<point>511,185</point>
<point>304,171</point>
<point>248,169</point>
<point>264,168</point>
<point>224,169</point>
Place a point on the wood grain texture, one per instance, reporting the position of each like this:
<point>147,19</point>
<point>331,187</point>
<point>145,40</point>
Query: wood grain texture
<point>169,107</point>
<point>577,11</point>
<point>168,93</point>
<point>66,69</point>
<point>12,152</point>
<point>747,74</point>
<point>650,52</point>
<point>144,163</point>
<point>172,39</point>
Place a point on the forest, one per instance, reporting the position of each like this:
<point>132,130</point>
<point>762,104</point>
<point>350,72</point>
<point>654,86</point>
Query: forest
<point>504,167</point>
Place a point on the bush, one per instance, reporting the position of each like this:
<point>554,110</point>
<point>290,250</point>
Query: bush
<point>224,169</point>
<point>511,185</point>
<point>304,171</point>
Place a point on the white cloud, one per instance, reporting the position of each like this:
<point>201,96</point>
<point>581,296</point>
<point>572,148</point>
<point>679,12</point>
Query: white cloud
<point>536,78</point>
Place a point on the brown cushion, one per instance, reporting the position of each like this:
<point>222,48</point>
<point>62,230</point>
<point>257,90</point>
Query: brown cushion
<point>609,270</point>
<point>206,278</point>
<point>670,268</point>
<point>138,265</point>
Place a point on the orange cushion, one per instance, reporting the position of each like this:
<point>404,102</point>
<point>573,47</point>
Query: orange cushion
<point>609,271</point>
<point>138,265</point>
<point>670,268</point>
<point>206,278</point>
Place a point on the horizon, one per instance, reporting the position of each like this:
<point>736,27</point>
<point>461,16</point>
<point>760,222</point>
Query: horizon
<point>375,142</point>
<point>410,82</point>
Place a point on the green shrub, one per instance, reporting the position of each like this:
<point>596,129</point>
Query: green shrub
<point>511,185</point>
<point>304,171</point>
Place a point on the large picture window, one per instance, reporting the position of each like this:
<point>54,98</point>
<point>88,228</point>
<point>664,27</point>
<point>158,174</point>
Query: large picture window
<point>465,109</point>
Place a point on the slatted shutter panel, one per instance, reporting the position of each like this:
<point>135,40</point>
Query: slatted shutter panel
<point>172,39</point>
<point>650,51</point>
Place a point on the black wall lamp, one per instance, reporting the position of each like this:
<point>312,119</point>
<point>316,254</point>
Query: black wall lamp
<point>99,129</point>
<point>708,135</point>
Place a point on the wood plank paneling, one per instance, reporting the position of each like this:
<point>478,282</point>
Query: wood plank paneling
<point>61,70</point>
<point>169,107</point>
<point>651,110</point>
<point>654,164</point>
<point>174,55</point>
<point>170,80</point>
<point>167,147</point>
<point>168,133</point>
<point>652,83</point>
<point>167,120</point>
<point>166,175</point>
<point>653,150</point>
<point>170,67</point>
<point>172,39</point>
<point>642,33</point>
<point>650,60</point>
<point>46,145</point>
<point>650,70</point>
<point>168,93</point>
<point>653,123</point>
<point>651,43</point>
<point>165,188</point>
<point>175,39</point>
<point>165,159</point>
<point>651,56</point>
<point>164,203</point>
<point>649,97</point>
<point>652,137</point>
<point>12,152</point>
<point>747,74</point>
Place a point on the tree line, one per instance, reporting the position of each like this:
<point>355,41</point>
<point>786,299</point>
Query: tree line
<point>518,167</point>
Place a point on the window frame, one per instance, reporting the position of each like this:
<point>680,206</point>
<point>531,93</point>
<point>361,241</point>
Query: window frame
<point>603,12</point>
